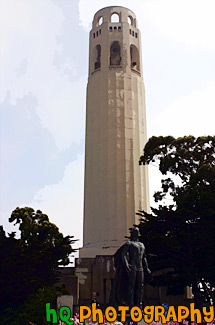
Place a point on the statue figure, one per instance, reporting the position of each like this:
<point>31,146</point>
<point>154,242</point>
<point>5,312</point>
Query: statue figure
<point>131,264</point>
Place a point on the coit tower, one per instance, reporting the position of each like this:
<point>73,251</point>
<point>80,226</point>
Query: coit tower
<point>116,187</point>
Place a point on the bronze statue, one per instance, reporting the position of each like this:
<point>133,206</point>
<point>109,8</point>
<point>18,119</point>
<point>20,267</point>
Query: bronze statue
<point>131,264</point>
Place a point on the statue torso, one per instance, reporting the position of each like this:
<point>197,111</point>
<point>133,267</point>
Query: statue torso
<point>135,255</point>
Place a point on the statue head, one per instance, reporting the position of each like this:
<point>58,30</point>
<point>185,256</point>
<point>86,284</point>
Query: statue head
<point>135,233</point>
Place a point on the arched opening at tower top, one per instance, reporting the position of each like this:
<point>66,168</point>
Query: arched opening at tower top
<point>115,53</point>
<point>97,57</point>
<point>115,18</point>
<point>100,21</point>
<point>130,20</point>
<point>135,59</point>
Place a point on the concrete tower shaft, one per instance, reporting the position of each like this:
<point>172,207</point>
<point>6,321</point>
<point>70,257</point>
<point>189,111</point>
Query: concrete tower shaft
<point>116,187</point>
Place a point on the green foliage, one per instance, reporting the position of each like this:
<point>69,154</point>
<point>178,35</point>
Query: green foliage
<point>29,265</point>
<point>181,236</point>
<point>33,309</point>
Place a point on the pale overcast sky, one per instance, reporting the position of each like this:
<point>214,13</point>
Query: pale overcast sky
<point>43,76</point>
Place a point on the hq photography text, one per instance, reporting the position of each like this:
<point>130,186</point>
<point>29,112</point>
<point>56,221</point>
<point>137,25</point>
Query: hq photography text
<point>149,314</point>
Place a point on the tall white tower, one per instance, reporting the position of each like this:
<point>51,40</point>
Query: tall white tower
<point>116,187</point>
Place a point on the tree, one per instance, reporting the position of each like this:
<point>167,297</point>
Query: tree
<point>29,265</point>
<point>181,236</point>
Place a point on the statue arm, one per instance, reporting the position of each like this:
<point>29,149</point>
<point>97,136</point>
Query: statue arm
<point>124,257</point>
<point>145,263</point>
